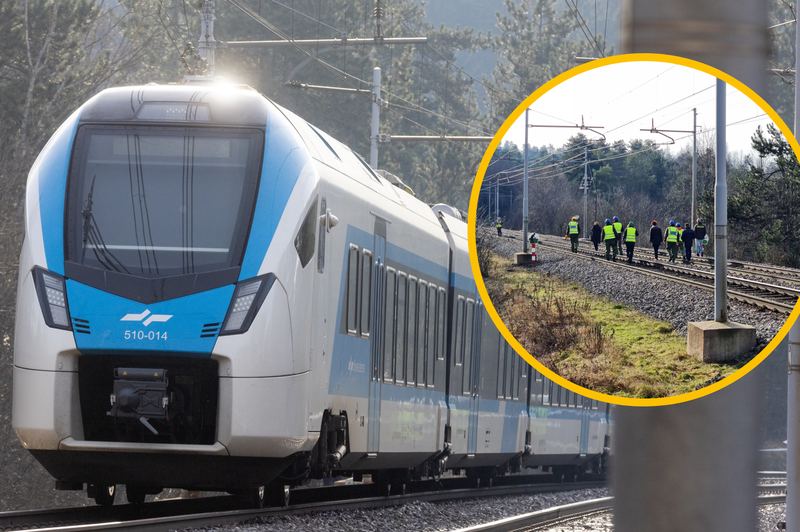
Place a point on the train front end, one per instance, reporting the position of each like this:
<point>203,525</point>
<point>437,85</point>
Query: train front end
<point>154,344</point>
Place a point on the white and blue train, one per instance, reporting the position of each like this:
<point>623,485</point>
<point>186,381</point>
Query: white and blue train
<point>215,295</point>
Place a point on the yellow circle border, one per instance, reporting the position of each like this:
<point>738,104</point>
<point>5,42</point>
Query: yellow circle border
<point>473,209</point>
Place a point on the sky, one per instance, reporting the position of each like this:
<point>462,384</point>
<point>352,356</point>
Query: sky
<point>623,98</point>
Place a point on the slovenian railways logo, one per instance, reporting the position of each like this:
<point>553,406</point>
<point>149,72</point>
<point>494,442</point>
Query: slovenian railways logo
<point>146,314</point>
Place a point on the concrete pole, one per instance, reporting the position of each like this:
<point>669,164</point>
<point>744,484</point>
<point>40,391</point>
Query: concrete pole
<point>525,192</point>
<point>793,433</point>
<point>673,464</point>
<point>792,410</point>
<point>376,117</point>
<point>721,213</point>
<point>497,197</point>
<point>585,189</point>
<point>207,45</point>
<point>694,167</point>
<point>689,467</point>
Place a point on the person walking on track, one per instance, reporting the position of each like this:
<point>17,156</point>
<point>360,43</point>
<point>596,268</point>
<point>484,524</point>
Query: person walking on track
<point>597,235</point>
<point>618,230</point>
<point>630,240</point>
<point>610,238</point>
<point>574,232</point>
<point>499,226</point>
<point>656,237</point>
<point>699,235</point>
<point>672,241</point>
<point>687,237</point>
<point>680,242</point>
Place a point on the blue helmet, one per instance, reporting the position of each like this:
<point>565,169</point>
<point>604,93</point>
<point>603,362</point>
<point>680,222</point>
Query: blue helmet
<point>616,219</point>
<point>677,225</point>
<point>671,222</point>
<point>608,221</point>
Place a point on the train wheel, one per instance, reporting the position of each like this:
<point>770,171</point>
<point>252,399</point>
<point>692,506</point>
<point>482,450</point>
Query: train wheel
<point>135,494</point>
<point>103,494</point>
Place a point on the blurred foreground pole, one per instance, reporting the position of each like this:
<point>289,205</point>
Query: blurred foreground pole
<point>721,211</point>
<point>692,466</point>
<point>792,429</point>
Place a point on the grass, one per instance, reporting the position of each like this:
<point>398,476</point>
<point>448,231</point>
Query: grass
<point>594,342</point>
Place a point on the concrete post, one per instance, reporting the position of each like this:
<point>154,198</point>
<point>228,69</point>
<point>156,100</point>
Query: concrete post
<point>376,117</point>
<point>688,467</point>
<point>585,189</point>
<point>793,433</point>
<point>721,213</point>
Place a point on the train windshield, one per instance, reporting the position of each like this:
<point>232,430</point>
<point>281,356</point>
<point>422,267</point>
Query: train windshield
<point>161,201</point>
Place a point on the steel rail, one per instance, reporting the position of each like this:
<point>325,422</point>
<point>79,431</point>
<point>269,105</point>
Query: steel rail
<point>202,512</point>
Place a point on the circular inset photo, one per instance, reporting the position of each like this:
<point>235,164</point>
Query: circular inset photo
<point>607,212</point>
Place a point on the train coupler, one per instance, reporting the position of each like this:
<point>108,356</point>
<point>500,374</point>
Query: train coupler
<point>141,394</point>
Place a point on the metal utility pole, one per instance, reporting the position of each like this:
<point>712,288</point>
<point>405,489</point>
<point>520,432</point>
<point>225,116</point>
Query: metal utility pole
<point>497,197</point>
<point>207,45</point>
<point>585,188</point>
<point>525,191</point>
<point>694,166</point>
<point>721,214</point>
<point>792,410</point>
<point>376,117</point>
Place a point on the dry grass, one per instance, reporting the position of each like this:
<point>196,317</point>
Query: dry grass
<point>592,341</point>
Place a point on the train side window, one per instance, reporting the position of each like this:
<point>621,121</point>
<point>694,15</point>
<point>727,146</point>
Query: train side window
<point>595,404</point>
<point>509,354</point>
<point>400,354</point>
<point>578,401</point>
<point>388,330</point>
<point>441,313</point>
<point>501,370</point>
<point>352,290</point>
<point>469,331</point>
<point>422,321</point>
<point>304,241</point>
<point>321,250</point>
<point>565,397</point>
<point>547,391</point>
<point>515,360</point>
<point>411,341</point>
<point>459,331</point>
<point>431,347</point>
<point>366,293</point>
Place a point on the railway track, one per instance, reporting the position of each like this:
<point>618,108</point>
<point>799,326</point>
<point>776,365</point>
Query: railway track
<point>563,515</point>
<point>757,293</point>
<point>222,510</point>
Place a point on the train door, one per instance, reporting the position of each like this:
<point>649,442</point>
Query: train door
<point>586,415</point>
<point>376,348</point>
<point>471,374</point>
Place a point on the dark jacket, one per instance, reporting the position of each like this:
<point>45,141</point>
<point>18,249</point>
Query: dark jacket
<point>688,236</point>
<point>656,236</point>
<point>597,234</point>
<point>699,232</point>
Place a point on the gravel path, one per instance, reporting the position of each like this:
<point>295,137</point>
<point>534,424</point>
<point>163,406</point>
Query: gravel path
<point>674,303</point>
<point>418,516</point>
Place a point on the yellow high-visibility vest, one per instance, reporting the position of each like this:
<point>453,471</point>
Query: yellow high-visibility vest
<point>608,233</point>
<point>630,234</point>
<point>672,234</point>
<point>573,227</point>
<point>618,227</point>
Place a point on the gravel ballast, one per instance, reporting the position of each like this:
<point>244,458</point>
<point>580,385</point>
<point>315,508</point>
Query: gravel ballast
<point>674,303</point>
<point>417,516</point>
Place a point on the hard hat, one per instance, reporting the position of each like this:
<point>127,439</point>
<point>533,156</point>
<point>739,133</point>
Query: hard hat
<point>630,224</point>
<point>677,225</point>
<point>574,217</point>
<point>616,219</point>
<point>671,222</point>
<point>608,221</point>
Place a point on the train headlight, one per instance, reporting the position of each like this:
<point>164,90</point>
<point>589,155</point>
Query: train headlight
<point>52,298</point>
<point>247,299</point>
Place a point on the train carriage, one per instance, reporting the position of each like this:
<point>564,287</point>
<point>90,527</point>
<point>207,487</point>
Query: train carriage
<point>215,294</point>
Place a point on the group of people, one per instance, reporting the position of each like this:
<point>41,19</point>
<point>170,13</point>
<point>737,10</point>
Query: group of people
<point>613,234</point>
<point>679,240</point>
